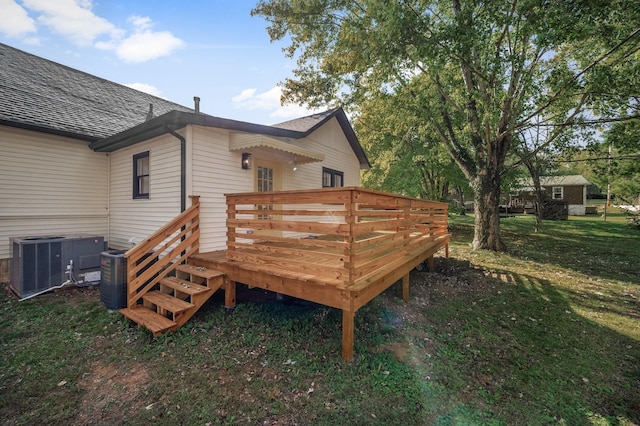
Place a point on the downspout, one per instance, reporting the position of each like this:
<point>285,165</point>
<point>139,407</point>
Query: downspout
<point>108,198</point>
<point>183,167</point>
<point>183,158</point>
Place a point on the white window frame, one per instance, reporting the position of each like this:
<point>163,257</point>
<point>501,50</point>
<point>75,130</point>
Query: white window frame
<point>557,190</point>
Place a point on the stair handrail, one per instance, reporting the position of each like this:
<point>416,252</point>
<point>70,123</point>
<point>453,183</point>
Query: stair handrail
<point>158,255</point>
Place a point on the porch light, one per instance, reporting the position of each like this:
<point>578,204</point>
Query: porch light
<point>246,161</point>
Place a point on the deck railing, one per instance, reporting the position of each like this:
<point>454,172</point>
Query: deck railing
<point>158,255</point>
<point>341,235</point>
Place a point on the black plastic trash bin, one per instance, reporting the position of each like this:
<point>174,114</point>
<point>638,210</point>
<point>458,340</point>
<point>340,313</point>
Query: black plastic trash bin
<point>113,281</point>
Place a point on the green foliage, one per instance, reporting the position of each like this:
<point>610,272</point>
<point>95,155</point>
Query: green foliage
<point>406,156</point>
<point>623,171</point>
<point>473,76</point>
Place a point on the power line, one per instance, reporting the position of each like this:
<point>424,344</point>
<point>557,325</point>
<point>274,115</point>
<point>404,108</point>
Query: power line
<point>619,157</point>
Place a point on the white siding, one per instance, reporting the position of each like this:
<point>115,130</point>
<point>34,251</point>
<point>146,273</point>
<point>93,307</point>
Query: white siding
<point>49,185</point>
<point>329,140</point>
<point>216,171</point>
<point>138,218</point>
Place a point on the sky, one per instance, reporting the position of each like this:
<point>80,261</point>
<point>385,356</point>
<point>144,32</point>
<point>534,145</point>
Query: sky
<point>174,49</point>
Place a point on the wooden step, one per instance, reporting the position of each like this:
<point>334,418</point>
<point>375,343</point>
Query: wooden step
<point>184,286</point>
<point>199,271</point>
<point>153,321</point>
<point>167,302</point>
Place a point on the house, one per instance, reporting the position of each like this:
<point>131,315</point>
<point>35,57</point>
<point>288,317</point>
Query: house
<point>83,155</point>
<point>201,202</point>
<point>571,189</point>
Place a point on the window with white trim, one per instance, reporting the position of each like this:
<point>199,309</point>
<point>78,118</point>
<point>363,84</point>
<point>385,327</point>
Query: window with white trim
<point>558,192</point>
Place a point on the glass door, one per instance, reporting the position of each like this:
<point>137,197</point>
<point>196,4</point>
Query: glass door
<point>267,179</point>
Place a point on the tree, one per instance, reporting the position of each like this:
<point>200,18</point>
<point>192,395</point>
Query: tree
<point>616,161</point>
<point>406,157</point>
<point>478,72</point>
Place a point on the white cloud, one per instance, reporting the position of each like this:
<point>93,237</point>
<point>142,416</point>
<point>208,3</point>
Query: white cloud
<point>147,88</point>
<point>73,19</point>
<point>140,22</point>
<point>250,100</point>
<point>292,111</point>
<point>146,45</point>
<point>14,20</point>
<point>245,95</point>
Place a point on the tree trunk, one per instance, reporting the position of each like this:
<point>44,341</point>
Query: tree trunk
<point>486,233</point>
<point>534,171</point>
<point>539,198</point>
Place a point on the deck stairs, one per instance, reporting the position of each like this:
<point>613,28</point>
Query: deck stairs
<point>176,299</point>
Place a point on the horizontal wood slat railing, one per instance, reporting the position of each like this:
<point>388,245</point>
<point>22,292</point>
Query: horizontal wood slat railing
<point>158,255</point>
<point>344,234</point>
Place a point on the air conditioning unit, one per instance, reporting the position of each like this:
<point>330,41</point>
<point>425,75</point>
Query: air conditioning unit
<point>113,283</point>
<point>43,262</point>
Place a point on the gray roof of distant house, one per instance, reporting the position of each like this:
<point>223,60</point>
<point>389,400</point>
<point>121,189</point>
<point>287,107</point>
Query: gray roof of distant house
<point>571,180</point>
<point>38,94</point>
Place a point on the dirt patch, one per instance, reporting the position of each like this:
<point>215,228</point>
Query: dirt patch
<point>451,279</point>
<point>111,391</point>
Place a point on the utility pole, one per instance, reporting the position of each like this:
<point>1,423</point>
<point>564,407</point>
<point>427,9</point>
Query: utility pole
<point>608,203</point>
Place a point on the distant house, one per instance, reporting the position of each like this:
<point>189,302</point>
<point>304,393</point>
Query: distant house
<point>84,155</point>
<point>571,189</point>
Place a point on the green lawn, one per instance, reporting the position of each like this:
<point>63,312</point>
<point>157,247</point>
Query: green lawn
<point>548,333</point>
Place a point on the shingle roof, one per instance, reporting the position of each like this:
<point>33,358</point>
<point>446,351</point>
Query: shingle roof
<point>305,124</point>
<point>526,184</point>
<point>42,95</point>
<point>310,123</point>
<point>571,180</point>
<point>45,96</point>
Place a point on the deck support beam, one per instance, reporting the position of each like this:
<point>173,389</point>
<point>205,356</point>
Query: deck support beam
<point>432,263</point>
<point>405,288</point>
<point>348,321</point>
<point>230,294</point>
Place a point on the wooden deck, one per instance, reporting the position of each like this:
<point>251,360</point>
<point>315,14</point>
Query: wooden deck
<point>339,247</point>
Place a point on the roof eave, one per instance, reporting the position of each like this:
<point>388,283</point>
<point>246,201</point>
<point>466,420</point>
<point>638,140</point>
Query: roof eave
<point>341,116</point>
<point>49,130</point>
<point>175,120</point>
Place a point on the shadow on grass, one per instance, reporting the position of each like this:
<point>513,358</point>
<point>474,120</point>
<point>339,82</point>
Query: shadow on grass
<point>516,345</point>
<point>589,246</point>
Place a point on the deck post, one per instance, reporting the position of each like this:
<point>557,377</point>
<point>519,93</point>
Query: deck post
<point>405,288</point>
<point>348,320</point>
<point>229,294</point>
<point>432,263</point>
<point>350,219</point>
<point>231,230</point>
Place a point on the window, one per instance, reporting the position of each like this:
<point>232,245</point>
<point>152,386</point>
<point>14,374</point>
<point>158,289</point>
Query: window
<point>141,175</point>
<point>557,193</point>
<point>332,178</point>
<point>265,184</point>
